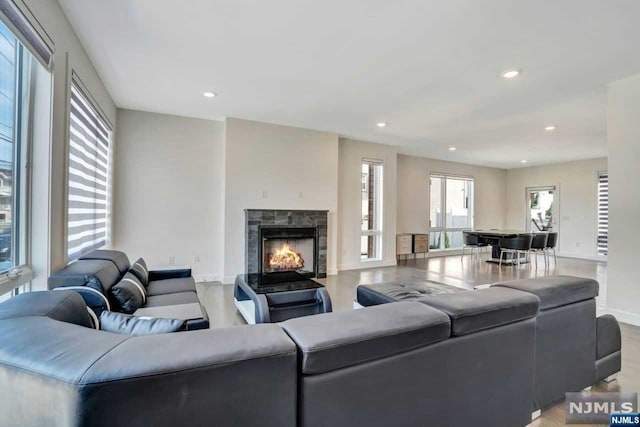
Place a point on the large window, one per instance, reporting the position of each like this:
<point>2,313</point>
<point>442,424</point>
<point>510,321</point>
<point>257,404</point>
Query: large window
<point>450,210</point>
<point>14,90</point>
<point>89,175</point>
<point>371,218</point>
<point>17,87</point>
<point>603,213</point>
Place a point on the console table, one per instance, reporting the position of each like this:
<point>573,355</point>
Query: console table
<point>275,297</point>
<point>410,243</point>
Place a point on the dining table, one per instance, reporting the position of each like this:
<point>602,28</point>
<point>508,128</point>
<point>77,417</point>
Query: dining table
<point>492,237</point>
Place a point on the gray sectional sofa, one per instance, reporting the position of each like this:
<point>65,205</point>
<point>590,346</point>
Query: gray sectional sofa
<point>467,359</point>
<point>574,348</point>
<point>169,293</point>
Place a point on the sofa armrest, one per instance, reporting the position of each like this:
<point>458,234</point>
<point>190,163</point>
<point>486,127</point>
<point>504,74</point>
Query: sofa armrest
<point>169,273</point>
<point>608,339</point>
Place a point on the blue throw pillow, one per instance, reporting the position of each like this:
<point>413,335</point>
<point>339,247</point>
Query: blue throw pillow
<point>120,323</point>
<point>129,293</point>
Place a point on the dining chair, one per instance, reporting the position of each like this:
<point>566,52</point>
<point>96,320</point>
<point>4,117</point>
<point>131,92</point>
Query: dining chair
<point>552,242</point>
<point>538,245</point>
<point>473,242</point>
<point>517,246</point>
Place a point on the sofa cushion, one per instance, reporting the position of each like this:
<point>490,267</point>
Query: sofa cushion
<point>65,306</point>
<point>140,270</point>
<point>555,291</point>
<point>382,293</point>
<point>119,258</point>
<point>97,274</point>
<point>129,293</point>
<point>473,311</point>
<point>171,299</point>
<point>331,341</point>
<point>120,323</point>
<point>171,286</point>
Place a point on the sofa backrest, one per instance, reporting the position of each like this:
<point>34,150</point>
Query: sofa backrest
<point>119,258</point>
<point>64,306</point>
<point>92,276</point>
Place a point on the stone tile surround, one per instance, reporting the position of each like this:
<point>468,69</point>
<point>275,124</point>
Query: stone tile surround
<point>254,218</point>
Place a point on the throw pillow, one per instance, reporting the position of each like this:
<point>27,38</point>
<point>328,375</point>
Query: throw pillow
<point>129,293</point>
<point>140,270</point>
<point>120,323</point>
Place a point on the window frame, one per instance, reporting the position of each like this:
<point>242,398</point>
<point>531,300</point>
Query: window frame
<point>444,229</point>
<point>19,274</point>
<point>378,232</point>
<point>73,78</point>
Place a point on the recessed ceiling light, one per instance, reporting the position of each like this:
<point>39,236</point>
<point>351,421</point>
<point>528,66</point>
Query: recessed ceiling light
<point>381,124</point>
<point>523,161</point>
<point>210,94</point>
<point>550,128</point>
<point>511,73</point>
<point>452,148</point>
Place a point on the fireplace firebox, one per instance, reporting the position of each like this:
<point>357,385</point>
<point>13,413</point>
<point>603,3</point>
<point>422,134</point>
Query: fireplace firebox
<point>291,242</point>
<point>287,249</point>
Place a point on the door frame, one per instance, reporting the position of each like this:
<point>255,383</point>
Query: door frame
<point>556,205</point>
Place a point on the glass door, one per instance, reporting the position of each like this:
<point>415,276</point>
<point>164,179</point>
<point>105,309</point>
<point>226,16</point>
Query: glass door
<point>541,210</point>
<point>450,211</point>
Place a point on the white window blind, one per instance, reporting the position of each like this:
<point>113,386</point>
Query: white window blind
<point>603,213</point>
<point>89,176</point>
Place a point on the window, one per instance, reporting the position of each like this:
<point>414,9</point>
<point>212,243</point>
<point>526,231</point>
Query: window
<point>603,213</point>
<point>450,210</point>
<point>89,175</point>
<point>14,82</point>
<point>371,218</point>
<point>17,88</point>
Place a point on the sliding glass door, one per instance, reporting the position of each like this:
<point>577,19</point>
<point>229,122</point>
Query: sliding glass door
<point>450,210</point>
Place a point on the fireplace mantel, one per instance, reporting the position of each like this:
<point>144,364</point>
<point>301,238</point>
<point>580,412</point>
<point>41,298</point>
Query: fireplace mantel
<point>255,219</point>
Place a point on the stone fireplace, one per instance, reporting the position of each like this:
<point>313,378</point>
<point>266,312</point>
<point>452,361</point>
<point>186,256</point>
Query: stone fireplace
<point>286,241</point>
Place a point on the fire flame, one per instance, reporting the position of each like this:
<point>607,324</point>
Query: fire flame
<point>286,258</point>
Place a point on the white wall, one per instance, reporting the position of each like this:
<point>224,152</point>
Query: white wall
<point>276,167</point>
<point>413,192</point>
<point>351,153</point>
<point>69,55</point>
<point>623,139</point>
<point>169,191</point>
<point>577,192</point>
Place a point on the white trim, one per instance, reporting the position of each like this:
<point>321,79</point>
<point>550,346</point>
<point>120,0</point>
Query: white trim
<point>624,316</point>
<point>357,305</point>
<point>367,264</point>
<point>599,258</point>
<point>86,288</point>
<point>96,322</point>
<point>140,288</point>
<point>247,309</point>
<point>206,278</point>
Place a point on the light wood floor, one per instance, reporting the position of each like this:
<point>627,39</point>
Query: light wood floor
<point>218,300</point>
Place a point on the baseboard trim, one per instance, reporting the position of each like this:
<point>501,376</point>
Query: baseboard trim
<point>365,265</point>
<point>229,280</point>
<point>580,256</point>
<point>624,316</point>
<point>200,278</point>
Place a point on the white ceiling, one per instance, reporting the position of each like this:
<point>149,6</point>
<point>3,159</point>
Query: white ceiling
<point>431,69</point>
